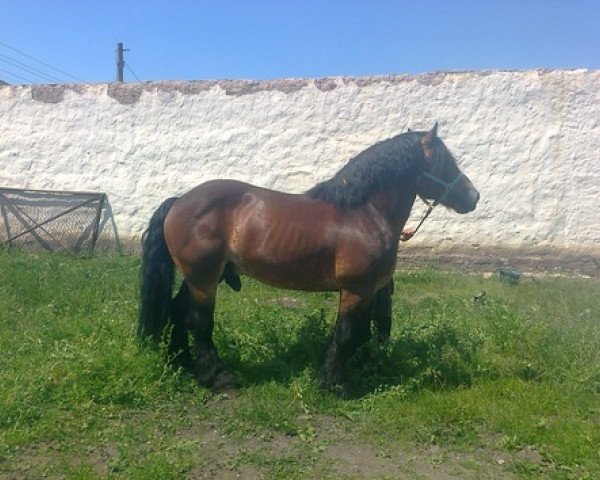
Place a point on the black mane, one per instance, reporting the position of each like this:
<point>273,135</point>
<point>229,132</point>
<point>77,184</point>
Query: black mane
<point>379,166</point>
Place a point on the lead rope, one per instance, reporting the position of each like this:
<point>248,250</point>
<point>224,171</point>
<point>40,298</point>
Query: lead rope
<point>430,208</point>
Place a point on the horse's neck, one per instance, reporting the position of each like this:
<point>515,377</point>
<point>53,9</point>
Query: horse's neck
<point>395,204</point>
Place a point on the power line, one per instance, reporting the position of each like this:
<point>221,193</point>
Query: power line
<point>132,72</point>
<point>27,68</point>
<point>42,63</point>
<point>14,75</point>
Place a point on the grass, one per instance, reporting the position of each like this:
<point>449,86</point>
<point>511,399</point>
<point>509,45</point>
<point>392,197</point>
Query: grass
<point>509,381</point>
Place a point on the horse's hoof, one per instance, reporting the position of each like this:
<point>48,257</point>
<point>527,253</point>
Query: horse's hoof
<point>224,383</point>
<point>183,361</point>
<point>339,389</point>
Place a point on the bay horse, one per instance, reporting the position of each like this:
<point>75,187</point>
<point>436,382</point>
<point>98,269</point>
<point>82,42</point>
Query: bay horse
<point>341,235</point>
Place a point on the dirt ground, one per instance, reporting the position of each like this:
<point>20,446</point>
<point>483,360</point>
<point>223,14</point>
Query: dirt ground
<point>341,454</point>
<point>334,450</point>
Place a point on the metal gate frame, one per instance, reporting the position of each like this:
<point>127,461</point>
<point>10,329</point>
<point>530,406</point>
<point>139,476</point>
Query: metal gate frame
<point>32,226</point>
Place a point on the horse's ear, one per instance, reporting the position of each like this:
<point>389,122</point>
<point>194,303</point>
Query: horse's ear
<point>430,135</point>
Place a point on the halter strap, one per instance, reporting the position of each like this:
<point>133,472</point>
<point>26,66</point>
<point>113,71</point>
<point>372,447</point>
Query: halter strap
<point>448,186</point>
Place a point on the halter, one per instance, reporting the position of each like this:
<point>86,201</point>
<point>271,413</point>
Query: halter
<point>448,186</point>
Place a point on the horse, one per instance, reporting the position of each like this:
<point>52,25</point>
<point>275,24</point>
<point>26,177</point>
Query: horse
<point>341,235</point>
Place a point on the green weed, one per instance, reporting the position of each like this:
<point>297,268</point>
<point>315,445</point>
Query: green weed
<point>513,370</point>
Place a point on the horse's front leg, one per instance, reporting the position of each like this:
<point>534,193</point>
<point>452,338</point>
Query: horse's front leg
<point>352,330</point>
<point>382,312</point>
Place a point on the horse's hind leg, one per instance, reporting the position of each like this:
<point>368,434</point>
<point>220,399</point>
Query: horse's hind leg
<point>208,367</point>
<point>178,347</point>
<point>353,330</point>
<point>382,312</point>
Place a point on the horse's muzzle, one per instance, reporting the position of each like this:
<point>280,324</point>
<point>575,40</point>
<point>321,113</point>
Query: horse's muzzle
<point>469,203</point>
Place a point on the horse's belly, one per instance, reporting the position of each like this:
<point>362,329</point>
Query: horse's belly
<point>308,273</point>
<point>284,250</point>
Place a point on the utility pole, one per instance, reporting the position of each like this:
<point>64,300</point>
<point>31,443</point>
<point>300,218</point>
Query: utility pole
<point>120,61</point>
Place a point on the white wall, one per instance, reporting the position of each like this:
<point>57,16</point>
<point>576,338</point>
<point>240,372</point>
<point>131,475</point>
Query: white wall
<point>530,141</point>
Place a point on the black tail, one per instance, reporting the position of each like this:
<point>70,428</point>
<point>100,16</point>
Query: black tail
<point>157,275</point>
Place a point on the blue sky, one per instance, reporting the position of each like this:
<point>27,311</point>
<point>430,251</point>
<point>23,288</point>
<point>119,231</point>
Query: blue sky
<point>286,38</point>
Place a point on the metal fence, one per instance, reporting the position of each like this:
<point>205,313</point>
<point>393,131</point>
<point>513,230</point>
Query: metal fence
<point>52,220</point>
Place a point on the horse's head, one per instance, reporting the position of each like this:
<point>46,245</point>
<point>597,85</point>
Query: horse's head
<point>441,180</point>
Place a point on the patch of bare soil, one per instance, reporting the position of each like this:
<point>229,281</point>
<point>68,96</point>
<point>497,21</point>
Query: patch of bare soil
<point>533,260</point>
<point>30,460</point>
<point>334,449</point>
<point>354,457</point>
<point>331,447</point>
<point>35,461</point>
